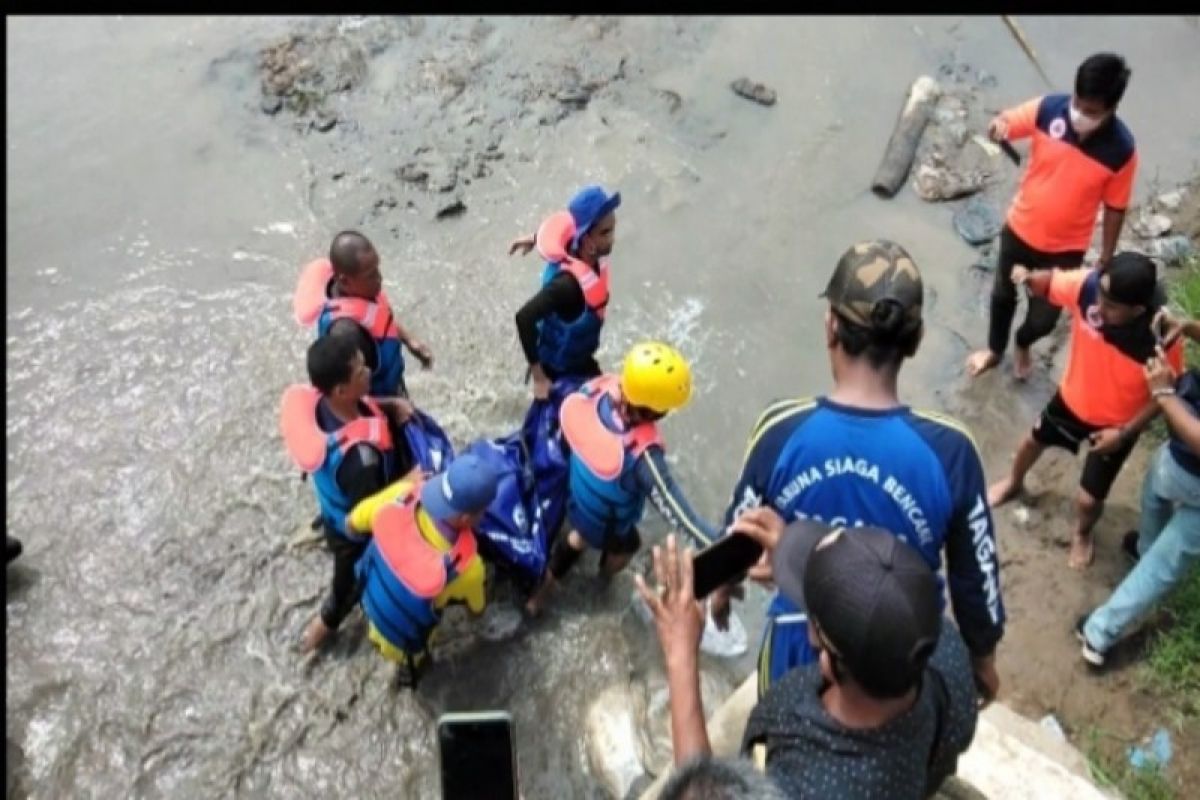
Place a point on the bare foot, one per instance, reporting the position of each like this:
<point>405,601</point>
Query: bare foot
<point>314,635</point>
<point>1022,363</point>
<point>1002,491</point>
<point>980,362</point>
<point>1083,552</point>
<point>533,606</point>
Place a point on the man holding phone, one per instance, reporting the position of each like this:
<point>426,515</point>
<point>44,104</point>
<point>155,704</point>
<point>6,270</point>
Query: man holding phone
<point>858,456</point>
<point>888,707</point>
<point>1167,542</point>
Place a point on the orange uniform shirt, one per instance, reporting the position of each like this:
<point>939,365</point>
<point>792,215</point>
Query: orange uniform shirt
<point>1067,179</point>
<point>1103,384</point>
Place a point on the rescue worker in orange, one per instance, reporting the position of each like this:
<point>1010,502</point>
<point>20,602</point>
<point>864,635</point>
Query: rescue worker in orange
<point>1103,401</point>
<point>1082,157</point>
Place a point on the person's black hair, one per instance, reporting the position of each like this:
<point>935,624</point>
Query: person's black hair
<point>1102,77</point>
<point>891,337</point>
<point>329,361</point>
<point>708,778</point>
<point>346,250</point>
<point>1132,279</point>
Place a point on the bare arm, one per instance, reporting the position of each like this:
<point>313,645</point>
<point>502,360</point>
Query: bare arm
<point>680,623</point>
<point>689,736</point>
<point>415,346</point>
<point>1183,424</point>
<point>1139,423</point>
<point>1111,231</point>
<point>1036,281</point>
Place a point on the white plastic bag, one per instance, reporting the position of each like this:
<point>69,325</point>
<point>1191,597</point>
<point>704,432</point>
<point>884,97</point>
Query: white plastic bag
<point>728,643</point>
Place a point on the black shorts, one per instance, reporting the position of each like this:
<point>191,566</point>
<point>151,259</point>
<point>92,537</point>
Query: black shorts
<point>1059,427</point>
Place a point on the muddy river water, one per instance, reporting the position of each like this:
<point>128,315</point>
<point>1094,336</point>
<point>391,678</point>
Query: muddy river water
<point>157,220</point>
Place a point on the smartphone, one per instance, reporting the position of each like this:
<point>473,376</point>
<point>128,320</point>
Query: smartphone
<point>478,757</point>
<point>723,561</point>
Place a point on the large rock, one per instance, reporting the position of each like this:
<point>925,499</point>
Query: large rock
<point>654,743</point>
<point>1151,226</point>
<point>1011,757</point>
<point>612,740</point>
<point>941,183</point>
<point>978,221</point>
<point>1171,250</point>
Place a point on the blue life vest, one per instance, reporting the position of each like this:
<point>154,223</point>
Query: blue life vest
<point>401,575</point>
<point>320,453</point>
<point>608,502</point>
<point>312,304</point>
<point>567,347</point>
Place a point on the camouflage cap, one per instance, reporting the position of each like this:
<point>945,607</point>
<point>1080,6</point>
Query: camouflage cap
<point>871,272</point>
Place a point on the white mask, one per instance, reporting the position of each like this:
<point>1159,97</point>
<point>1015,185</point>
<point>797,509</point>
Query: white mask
<point>1082,123</point>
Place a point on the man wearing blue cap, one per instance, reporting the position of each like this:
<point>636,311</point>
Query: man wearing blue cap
<point>421,555</point>
<point>560,326</point>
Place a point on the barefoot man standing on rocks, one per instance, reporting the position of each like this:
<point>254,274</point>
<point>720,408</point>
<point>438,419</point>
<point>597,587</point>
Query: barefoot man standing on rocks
<point>1081,156</point>
<point>1102,398</point>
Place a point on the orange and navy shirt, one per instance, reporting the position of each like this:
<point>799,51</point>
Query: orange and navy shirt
<point>1067,179</point>
<point>1103,384</point>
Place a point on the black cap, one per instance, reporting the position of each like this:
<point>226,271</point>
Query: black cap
<point>871,275</point>
<point>1132,279</point>
<point>873,597</point>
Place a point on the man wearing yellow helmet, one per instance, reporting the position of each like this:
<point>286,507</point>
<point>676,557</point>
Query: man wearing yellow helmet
<point>617,462</point>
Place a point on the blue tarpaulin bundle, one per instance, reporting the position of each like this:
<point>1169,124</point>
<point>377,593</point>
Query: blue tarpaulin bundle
<point>521,523</point>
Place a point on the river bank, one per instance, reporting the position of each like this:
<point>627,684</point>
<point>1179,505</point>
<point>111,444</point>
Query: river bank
<point>160,207</point>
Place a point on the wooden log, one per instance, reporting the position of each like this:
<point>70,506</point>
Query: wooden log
<point>902,146</point>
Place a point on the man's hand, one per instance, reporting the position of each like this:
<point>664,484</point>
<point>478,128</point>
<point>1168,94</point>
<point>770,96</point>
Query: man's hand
<point>523,244</point>
<point>1166,328</point>
<point>719,602</point>
<point>764,526</point>
<point>1020,275</point>
<point>400,409</point>
<point>998,128</point>
<point>677,616</point>
<point>422,352</point>
<point>987,680</point>
<point>1158,372</point>
<point>1106,440</point>
<point>541,383</point>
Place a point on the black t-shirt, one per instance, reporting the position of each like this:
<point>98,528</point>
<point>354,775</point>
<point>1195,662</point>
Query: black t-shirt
<point>811,755</point>
<point>561,296</point>
<point>362,472</point>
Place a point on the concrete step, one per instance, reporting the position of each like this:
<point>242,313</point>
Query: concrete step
<point>1011,757</point>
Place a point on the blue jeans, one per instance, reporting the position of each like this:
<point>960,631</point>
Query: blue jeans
<point>1168,542</point>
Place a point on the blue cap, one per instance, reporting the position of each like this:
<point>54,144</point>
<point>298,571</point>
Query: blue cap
<point>466,486</point>
<point>588,206</point>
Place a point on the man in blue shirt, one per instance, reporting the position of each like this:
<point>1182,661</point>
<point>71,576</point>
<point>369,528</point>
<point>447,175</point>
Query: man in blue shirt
<point>859,457</point>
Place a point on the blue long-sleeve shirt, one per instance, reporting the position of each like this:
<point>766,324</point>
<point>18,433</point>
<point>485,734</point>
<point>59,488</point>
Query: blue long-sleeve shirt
<point>917,474</point>
<point>664,493</point>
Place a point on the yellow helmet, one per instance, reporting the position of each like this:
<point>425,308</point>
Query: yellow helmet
<point>656,376</point>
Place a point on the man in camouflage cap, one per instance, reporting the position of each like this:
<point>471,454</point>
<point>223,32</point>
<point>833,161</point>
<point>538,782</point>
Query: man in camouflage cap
<point>859,457</point>
<point>877,285</point>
